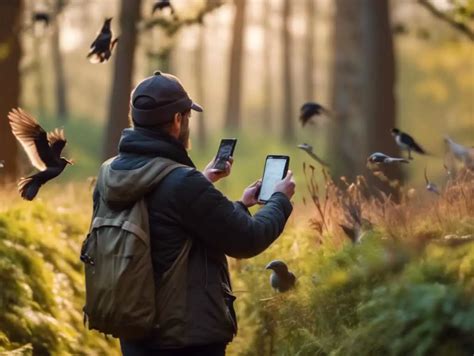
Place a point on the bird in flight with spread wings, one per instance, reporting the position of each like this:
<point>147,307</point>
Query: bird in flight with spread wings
<point>43,150</point>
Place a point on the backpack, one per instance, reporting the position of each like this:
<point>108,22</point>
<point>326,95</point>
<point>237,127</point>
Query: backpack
<point>121,295</point>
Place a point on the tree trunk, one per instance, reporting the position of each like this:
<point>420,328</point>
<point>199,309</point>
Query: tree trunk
<point>309,52</point>
<point>363,86</point>
<point>10,55</point>
<point>267,67</point>
<point>122,77</point>
<point>235,73</point>
<point>62,111</point>
<point>288,114</point>
<point>200,87</point>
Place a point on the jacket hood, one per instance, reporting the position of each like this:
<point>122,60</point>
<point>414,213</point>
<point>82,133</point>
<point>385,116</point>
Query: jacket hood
<point>144,158</point>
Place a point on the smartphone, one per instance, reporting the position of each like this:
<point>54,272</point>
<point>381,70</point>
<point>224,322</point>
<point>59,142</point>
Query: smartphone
<point>276,167</point>
<point>225,151</point>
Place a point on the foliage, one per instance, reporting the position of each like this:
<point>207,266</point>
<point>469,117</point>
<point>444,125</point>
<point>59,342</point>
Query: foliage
<point>406,288</point>
<point>41,296</point>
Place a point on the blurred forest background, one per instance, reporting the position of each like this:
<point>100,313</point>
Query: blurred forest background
<point>251,64</point>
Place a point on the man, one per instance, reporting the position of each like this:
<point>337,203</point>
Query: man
<point>185,207</point>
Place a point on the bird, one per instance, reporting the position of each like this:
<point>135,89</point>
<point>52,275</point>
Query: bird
<point>379,157</point>
<point>161,5</point>
<point>101,48</point>
<point>309,150</point>
<point>281,279</point>
<point>406,142</point>
<point>460,152</point>
<point>43,150</point>
<point>310,109</point>
<point>41,16</point>
<point>430,186</point>
<point>358,225</point>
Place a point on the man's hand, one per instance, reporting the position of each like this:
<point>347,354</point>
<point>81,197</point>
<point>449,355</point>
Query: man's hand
<point>213,175</point>
<point>249,198</point>
<point>287,185</point>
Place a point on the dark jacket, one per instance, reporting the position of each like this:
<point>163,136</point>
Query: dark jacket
<point>185,205</point>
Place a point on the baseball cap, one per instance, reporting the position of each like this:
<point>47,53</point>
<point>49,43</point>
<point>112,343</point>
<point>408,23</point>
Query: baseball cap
<point>169,95</point>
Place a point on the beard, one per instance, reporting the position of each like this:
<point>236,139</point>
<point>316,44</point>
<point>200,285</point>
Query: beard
<point>184,134</point>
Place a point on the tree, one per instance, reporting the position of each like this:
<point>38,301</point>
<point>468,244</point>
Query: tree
<point>309,51</point>
<point>10,55</point>
<point>200,88</point>
<point>288,115</point>
<point>234,91</point>
<point>363,85</point>
<point>58,65</point>
<point>267,68</point>
<point>122,77</point>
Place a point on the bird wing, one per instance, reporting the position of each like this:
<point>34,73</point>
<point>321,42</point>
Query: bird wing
<point>32,137</point>
<point>57,141</point>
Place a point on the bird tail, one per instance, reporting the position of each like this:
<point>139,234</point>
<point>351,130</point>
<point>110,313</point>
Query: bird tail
<point>417,148</point>
<point>28,188</point>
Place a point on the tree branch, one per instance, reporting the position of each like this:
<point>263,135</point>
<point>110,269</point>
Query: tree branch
<point>459,26</point>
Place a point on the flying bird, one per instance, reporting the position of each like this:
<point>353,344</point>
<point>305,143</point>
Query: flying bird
<point>430,186</point>
<point>160,5</point>
<point>43,150</point>
<point>379,158</point>
<point>101,48</point>
<point>41,16</point>
<point>311,109</point>
<point>406,142</point>
<point>281,279</point>
<point>309,150</point>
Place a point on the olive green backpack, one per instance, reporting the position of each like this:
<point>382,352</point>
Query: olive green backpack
<point>121,297</point>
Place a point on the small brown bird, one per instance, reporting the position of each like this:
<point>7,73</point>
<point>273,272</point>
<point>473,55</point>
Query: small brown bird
<point>101,48</point>
<point>43,150</point>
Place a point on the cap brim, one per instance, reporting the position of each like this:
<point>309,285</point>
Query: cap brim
<point>196,107</point>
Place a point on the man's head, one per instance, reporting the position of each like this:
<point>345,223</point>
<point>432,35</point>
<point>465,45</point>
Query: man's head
<point>161,103</point>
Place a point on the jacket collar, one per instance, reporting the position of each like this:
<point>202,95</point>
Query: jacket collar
<point>143,142</point>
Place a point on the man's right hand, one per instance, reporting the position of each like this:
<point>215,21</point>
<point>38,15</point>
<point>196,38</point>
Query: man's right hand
<point>287,185</point>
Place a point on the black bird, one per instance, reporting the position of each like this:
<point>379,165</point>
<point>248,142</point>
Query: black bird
<point>406,142</point>
<point>310,109</point>
<point>281,279</point>
<point>161,5</point>
<point>101,48</point>
<point>309,150</point>
<point>379,157</point>
<point>43,150</point>
<point>41,16</point>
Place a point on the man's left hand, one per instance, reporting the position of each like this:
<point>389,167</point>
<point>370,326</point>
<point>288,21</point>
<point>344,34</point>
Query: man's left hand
<point>213,175</point>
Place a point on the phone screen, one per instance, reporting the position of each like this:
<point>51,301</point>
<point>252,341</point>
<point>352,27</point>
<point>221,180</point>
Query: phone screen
<point>275,170</point>
<point>226,149</point>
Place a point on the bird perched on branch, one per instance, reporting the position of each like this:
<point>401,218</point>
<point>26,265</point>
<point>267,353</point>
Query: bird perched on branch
<point>379,158</point>
<point>430,186</point>
<point>309,150</point>
<point>311,109</point>
<point>160,5</point>
<point>406,142</point>
<point>281,279</point>
<point>101,48</point>
<point>43,150</point>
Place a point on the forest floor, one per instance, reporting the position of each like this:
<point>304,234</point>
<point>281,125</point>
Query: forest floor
<point>410,280</point>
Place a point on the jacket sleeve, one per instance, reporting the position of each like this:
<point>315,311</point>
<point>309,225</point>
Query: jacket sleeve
<point>228,226</point>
